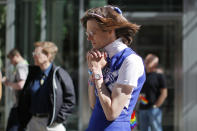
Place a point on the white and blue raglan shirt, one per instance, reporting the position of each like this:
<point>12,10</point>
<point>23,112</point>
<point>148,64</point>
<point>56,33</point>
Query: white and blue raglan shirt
<point>124,67</point>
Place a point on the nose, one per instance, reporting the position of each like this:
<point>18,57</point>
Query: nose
<point>34,55</point>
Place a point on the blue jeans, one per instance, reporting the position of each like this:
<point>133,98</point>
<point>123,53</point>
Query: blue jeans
<point>150,119</point>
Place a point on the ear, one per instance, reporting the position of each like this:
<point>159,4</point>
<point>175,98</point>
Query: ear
<point>112,33</point>
<point>17,55</point>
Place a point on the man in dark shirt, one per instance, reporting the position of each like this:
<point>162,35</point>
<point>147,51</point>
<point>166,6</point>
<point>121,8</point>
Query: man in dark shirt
<point>152,96</point>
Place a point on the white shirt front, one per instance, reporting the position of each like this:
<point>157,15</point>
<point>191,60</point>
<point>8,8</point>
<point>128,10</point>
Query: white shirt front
<point>132,67</point>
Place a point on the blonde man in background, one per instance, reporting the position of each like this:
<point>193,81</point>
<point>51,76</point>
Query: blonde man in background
<point>48,96</point>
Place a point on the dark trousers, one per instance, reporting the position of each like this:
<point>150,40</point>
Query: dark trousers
<point>13,122</point>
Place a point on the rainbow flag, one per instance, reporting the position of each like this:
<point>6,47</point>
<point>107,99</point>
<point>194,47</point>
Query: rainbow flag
<point>143,100</point>
<point>133,122</point>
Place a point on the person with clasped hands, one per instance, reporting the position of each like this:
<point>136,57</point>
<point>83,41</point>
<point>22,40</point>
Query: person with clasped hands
<point>116,71</point>
<point>48,96</point>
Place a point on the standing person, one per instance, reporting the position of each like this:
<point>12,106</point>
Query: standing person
<point>48,96</point>
<point>0,85</point>
<point>20,75</point>
<point>117,74</point>
<point>152,96</point>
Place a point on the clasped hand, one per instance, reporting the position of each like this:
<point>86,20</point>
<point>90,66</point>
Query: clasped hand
<point>96,60</point>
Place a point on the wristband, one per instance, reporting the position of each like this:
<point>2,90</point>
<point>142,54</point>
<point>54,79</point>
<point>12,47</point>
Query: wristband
<point>97,76</point>
<point>90,83</point>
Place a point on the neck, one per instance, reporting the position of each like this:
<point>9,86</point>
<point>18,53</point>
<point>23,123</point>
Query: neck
<point>115,47</point>
<point>111,38</point>
<point>20,59</point>
<point>151,70</point>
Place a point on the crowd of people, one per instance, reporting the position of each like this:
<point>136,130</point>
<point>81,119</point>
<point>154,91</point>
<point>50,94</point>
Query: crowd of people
<point>118,79</point>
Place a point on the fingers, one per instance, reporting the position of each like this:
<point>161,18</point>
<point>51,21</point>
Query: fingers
<point>96,58</point>
<point>92,54</point>
<point>96,54</point>
<point>104,54</point>
<point>4,79</point>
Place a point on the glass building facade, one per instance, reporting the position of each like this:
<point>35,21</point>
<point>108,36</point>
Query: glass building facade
<point>168,29</point>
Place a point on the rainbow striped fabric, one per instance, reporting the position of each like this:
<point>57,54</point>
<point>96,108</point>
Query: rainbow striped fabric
<point>133,122</point>
<point>143,100</point>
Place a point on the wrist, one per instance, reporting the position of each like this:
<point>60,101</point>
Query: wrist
<point>90,82</point>
<point>96,70</point>
<point>97,76</point>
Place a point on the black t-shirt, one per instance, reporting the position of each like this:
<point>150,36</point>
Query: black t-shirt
<point>151,89</point>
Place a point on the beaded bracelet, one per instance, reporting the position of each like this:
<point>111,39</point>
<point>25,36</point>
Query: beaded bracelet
<point>90,83</point>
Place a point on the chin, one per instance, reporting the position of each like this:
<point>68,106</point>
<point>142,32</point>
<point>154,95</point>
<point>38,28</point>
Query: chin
<point>94,48</point>
<point>97,48</point>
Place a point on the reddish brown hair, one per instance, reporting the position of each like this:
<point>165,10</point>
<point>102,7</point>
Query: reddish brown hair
<point>109,18</point>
